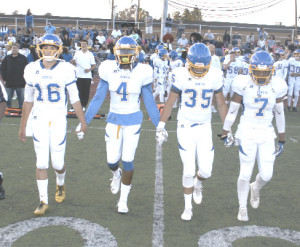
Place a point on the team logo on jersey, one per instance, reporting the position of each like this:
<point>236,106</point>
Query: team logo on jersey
<point>37,72</point>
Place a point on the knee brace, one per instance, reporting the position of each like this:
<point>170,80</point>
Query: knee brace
<point>112,166</point>
<point>187,181</point>
<point>128,166</point>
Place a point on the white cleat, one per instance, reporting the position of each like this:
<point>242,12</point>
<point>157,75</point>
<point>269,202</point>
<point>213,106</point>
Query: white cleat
<point>122,207</point>
<point>254,197</point>
<point>243,214</point>
<point>197,193</point>
<point>187,214</point>
<point>115,183</point>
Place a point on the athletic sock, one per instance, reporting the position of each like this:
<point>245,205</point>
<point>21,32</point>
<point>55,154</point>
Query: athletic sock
<point>296,101</point>
<point>125,190</point>
<point>60,178</point>
<point>116,173</point>
<point>188,201</point>
<point>43,190</point>
<point>289,100</point>
<point>243,191</point>
<point>259,183</point>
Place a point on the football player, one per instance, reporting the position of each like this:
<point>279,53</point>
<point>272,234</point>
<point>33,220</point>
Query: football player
<point>280,64</point>
<point>175,62</point>
<point>196,85</point>
<point>3,99</point>
<point>47,81</point>
<point>294,80</point>
<point>261,94</point>
<point>245,64</point>
<point>126,80</point>
<point>161,67</point>
<point>233,67</point>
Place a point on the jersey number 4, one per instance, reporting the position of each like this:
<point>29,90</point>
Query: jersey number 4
<point>122,90</point>
<point>52,92</point>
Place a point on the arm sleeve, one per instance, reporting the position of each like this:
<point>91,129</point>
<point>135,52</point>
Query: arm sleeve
<point>231,115</point>
<point>150,104</point>
<point>97,101</point>
<point>279,117</point>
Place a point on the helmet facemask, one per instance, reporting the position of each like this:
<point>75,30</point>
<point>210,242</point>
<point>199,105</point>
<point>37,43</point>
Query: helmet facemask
<point>261,74</point>
<point>198,70</point>
<point>126,56</point>
<point>49,54</point>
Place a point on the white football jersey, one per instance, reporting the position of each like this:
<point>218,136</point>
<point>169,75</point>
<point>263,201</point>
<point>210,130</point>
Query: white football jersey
<point>259,101</point>
<point>161,67</point>
<point>196,94</point>
<point>125,85</point>
<point>234,69</point>
<point>245,67</point>
<point>280,69</point>
<point>47,87</point>
<point>176,63</point>
<point>215,62</point>
<point>294,67</point>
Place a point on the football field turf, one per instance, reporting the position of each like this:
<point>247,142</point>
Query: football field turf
<point>88,216</point>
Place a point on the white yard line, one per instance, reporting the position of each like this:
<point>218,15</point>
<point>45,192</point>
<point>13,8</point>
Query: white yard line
<point>158,212</point>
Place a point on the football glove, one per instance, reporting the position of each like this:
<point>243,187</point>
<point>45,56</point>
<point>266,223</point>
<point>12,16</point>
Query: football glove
<point>228,139</point>
<point>79,134</point>
<point>279,148</point>
<point>161,134</point>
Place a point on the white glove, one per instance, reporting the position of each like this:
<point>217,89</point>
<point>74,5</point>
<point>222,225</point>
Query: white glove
<point>161,133</point>
<point>80,135</point>
<point>228,139</point>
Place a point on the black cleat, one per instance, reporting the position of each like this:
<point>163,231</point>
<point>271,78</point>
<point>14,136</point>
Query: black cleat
<point>295,109</point>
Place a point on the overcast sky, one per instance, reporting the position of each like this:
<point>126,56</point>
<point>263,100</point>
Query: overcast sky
<point>283,12</point>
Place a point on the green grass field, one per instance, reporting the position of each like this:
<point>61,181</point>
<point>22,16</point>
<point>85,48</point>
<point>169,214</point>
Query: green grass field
<point>89,197</point>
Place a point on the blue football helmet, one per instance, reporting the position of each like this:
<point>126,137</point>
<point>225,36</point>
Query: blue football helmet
<point>199,60</point>
<point>126,51</point>
<point>163,54</point>
<point>173,55</point>
<point>49,54</point>
<point>236,51</point>
<point>281,53</point>
<point>261,68</point>
<point>247,57</point>
<point>296,54</point>
<point>159,47</point>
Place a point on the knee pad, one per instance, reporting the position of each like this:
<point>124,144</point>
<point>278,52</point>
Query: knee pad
<point>203,174</point>
<point>266,177</point>
<point>58,165</point>
<point>128,166</point>
<point>187,181</point>
<point>42,164</point>
<point>113,165</point>
<point>245,173</point>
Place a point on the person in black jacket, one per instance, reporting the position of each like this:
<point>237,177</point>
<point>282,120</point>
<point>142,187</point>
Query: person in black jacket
<point>12,71</point>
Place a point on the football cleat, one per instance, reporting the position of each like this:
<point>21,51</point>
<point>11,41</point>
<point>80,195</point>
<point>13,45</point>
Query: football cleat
<point>115,183</point>
<point>288,108</point>
<point>60,193</point>
<point>122,207</point>
<point>197,193</point>
<point>187,214</point>
<point>294,109</point>
<point>254,196</point>
<point>41,209</point>
<point>243,214</point>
